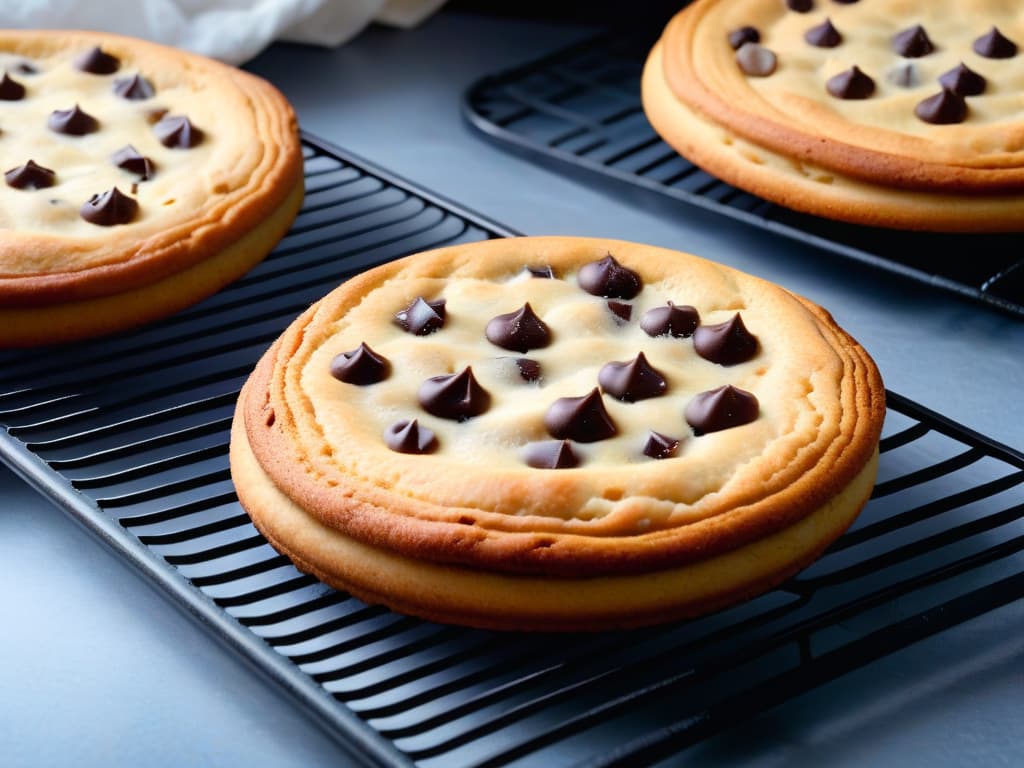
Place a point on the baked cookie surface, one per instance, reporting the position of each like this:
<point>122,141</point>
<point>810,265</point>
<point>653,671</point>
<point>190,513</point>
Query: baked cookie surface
<point>876,112</point>
<point>138,179</point>
<point>557,433</point>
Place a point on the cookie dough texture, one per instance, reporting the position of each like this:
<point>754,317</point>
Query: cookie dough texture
<point>206,214</point>
<point>469,533</point>
<point>873,160</point>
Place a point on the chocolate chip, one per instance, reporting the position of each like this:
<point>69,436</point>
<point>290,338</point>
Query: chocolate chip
<point>11,89</point>
<point>800,6</point>
<point>994,45</point>
<point>111,207</point>
<point>30,176</point>
<point>422,317</point>
<point>407,436</point>
<point>944,108</point>
<point>73,122</point>
<point>632,381</point>
<point>360,366</point>
<point>851,84</point>
<point>741,35</point>
<point>529,369</point>
<point>963,81</point>
<point>677,320</point>
<point>134,88</point>
<point>721,408</point>
<point>659,446</point>
<point>97,62</point>
<point>583,419</point>
<point>824,35</point>
<point>519,331</point>
<point>544,272</point>
<point>550,454</point>
<point>904,75</point>
<point>177,132</point>
<point>913,42</point>
<point>128,158</point>
<point>25,68</point>
<point>621,309</point>
<point>608,278</point>
<point>457,396</point>
<point>728,343</point>
<point>756,60</point>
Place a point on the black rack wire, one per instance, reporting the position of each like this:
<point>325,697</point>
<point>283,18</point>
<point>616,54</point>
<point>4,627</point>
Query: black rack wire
<point>129,435</point>
<point>579,110</point>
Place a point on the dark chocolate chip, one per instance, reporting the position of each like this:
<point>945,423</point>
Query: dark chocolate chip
<point>583,419</point>
<point>621,309</point>
<point>73,122</point>
<point>519,331</point>
<point>944,108</point>
<point>963,81</point>
<point>545,272</point>
<point>800,6</point>
<point>756,60</point>
<point>824,35</point>
<point>678,320</point>
<point>30,176</point>
<point>128,158</point>
<point>633,380</point>
<point>177,132</point>
<point>550,454</point>
<point>851,84</point>
<point>904,75</point>
<point>728,343</point>
<point>745,34</point>
<point>994,45</point>
<point>721,408</point>
<point>422,317</point>
<point>361,366</point>
<point>134,88</point>
<point>407,436</point>
<point>659,446</point>
<point>25,68</point>
<point>913,42</point>
<point>457,396</point>
<point>11,89</point>
<point>111,207</point>
<point>529,369</point>
<point>97,62</point>
<point>608,278</point>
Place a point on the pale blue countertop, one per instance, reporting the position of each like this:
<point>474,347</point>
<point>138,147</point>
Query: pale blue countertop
<point>99,669</point>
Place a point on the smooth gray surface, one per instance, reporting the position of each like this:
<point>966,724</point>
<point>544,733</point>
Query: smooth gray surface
<point>98,669</point>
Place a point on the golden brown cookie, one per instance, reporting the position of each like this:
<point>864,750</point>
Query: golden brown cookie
<point>557,433</point>
<point>877,112</point>
<point>138,179</point>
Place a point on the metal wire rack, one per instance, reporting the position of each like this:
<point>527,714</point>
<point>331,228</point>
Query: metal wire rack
<point>129,436</point>
<point>579,111</point>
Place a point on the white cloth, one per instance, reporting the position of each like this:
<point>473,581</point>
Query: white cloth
<point>230,30</point>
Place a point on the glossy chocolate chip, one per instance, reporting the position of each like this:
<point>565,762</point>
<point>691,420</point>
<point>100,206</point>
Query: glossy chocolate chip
<point>963,81</point>
<point>550,454</point>
<point>659,446</point>
<point>457,396</point>
<point>360,366</point>
<point>944,108</point>
<point>721,408</point>
<point>621,309</point>
<point>134,88</point>
<point>995,45</point>
<point>110,208</point>
<point>824,35</point>
<point>728,343</point>
<point>422,317</point>
<point>634,380</point>
<point>408,436</point>
<point>129,159</point>
<point>177,132</point>
<point>678,320</point>
<point>73,122</point>
<point>851,84</point>
<point>913,42</point>
<point>97,62</point>
<point>583,419</point>
<point>800,6</point>
<point>904,75</point>
<point>519,331</point>
<point>745,34</point>
<point>529,369</point>
<point>756,60</point>
<point>30,176</point>
<point>544,272</point>
<point>11,89</point>
<point>610,279</point>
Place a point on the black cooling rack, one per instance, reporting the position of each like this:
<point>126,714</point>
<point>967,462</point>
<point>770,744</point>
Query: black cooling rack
<point>579,110</point>
<point>130,436</point>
